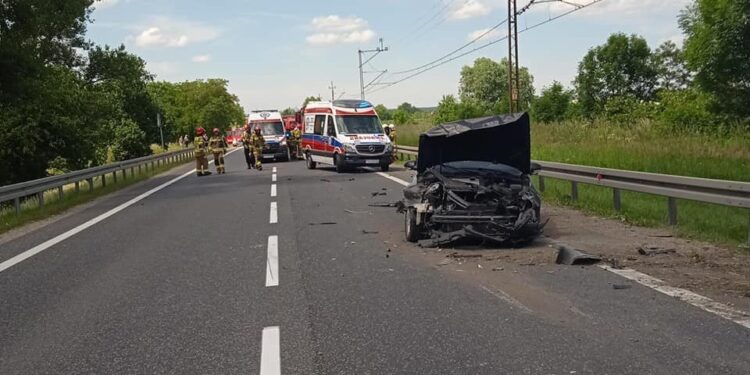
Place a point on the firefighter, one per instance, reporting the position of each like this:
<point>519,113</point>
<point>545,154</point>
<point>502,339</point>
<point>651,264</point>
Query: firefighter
<point>392,133</point>
<point>257,142</point>
<point>217,145</point>
<point>246,145</point>
<point>201,162</point>
<point>295,141</point>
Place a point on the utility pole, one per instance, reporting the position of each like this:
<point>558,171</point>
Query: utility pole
<point>514,82</point>
<point>333,93</point>
<point>375,52</point>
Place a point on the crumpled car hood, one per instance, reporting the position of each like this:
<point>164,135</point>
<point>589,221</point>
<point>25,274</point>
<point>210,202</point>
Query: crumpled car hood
<point>495,139</point>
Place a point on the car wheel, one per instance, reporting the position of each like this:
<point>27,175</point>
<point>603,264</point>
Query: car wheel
<point>339,163</point>
<point>288,156</point>
<point>310,163</point>
<point>410,221</point>
<point>385,167</point>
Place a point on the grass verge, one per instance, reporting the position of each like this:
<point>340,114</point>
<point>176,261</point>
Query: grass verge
<point>53,205</point>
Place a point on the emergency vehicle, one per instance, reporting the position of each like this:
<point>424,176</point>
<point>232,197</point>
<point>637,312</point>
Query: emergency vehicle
<point>272,128</point>
<point>345,134</point>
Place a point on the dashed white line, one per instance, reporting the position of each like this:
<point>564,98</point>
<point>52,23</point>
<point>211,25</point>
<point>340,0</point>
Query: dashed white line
<point>684,295</point>
<point>273,177</point>
<point>273,217</point>
<point>273,170</point>
<point>270,353</point>
<point>272,263</point>
<point>273,190</point>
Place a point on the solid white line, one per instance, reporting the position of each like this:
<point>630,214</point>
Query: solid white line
<point>64,236</point>
<point>274,170</point>
<point>740,317</point>
<point>272,264</point>
<point>270,352</point>
<point>392,178</point>
<point>501,295</point>
<point>273,177</point>
<point>273,217</point>
<point>273,190</point>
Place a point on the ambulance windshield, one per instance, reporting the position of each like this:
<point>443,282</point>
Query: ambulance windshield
<point>271,128</point>
<point>358,125</point>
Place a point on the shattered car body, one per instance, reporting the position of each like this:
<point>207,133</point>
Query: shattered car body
<point>473,182</point>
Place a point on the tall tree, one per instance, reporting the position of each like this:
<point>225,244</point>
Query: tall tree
<point>620,67</point>
<point>553,104</point>
<point>408,108</point>
<point>717,48</point>
<point>486,84</point>
<point>671,69</point>
<point>310,99</point>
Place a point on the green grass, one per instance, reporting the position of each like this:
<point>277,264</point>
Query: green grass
<point>640,147</point>
<point>30,210</point>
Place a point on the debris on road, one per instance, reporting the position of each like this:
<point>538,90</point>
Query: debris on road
<point>323,223</point>
<point>572,257</point>
<point>445,262</point>
<point>462,255</point>
<point>325,180</point>
<point>498,269</point>
<point>364,231</point>
<point>378,193</point>
<point>650,250</point>
<point>357,212</point>
<point>621,286</point>
<point>386,204</point>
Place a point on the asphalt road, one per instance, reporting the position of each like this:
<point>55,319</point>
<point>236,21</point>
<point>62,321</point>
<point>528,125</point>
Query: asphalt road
<point>185,281</point>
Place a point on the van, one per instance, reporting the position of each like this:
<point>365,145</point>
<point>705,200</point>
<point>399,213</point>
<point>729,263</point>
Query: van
<point>272,128</point>
<point>345,134</point>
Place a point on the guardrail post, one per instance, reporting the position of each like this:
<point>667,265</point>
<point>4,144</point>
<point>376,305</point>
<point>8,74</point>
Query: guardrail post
<point>17,204</point>
<point>672,207</point>
<point>132,171</point>
<point>40,198</point>
<point>616,199</point>
<point>541,184</point>
<point>574,190</point>
<point>60,192</point>
<point>78,186</point>
<point>114,176</point>
<point>124,174</point>
<point>91,183</point>
<point>139,169</point>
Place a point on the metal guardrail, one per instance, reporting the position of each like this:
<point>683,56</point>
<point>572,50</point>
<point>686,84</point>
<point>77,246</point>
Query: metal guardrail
<point>721,192</point>
<point>17,192</point>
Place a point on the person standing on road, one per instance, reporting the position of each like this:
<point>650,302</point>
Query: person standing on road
<point>295,140</point>
<point>201,145</point>
<point>257,142</point>
<point>217,145</point>
<point>246,145</point>
<point>392,133</point>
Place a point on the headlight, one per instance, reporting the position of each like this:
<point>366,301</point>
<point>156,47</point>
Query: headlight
<point>389,147</point>
<point>350,148</point>
<point>283,143</point>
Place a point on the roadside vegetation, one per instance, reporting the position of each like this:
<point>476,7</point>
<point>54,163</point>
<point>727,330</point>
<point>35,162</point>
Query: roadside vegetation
<point>672,110</point>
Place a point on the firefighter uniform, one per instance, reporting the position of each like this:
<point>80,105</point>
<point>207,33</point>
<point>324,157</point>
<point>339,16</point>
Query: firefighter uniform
<point>246,145</point>
<point>294,142</point>
<point>201,161</point>
<point>257,142</point>
<point>217,145</point>
<point>392,134</point>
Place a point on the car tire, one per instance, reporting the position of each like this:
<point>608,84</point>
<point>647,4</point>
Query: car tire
<point>410,225</point>
<point>288,156</point>
<point>339,163</point>
<point>385,167</point>
<point>310,163</point>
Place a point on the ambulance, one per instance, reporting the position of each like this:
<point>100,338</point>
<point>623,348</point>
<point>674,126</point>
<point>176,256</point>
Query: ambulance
<point>272,128</point>
<point>345,134</point>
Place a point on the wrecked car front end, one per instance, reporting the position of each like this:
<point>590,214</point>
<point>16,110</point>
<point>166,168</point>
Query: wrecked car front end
<point>473,182</point>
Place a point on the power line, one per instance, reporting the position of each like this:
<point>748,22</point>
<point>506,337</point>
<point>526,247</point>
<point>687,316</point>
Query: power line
<point>385,85</point>
<point>437,14</point>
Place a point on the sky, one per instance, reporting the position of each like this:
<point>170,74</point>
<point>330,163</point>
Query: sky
<point>276,53</point>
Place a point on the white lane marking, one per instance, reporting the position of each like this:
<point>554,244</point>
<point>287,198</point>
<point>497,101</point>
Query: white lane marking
<point>273,217</point>
<point>273,177</point>
<point>64,236</point>
<point>386,175</point>
<point>270,352</point>
<point>740,317</point>
<point>507,298</point>
<point>273,190</point>
<point>274,170</point>
<point>272,263</point>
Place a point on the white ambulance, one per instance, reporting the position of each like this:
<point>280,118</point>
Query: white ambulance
<point>345,134</point>
<point>272,127</point>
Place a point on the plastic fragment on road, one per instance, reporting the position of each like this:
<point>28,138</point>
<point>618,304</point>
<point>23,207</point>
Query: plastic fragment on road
<point>570,256</point>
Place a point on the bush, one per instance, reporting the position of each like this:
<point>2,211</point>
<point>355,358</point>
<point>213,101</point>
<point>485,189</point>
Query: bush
<point>553,104</point>
<point>686,111</point>
<point>625,110</point>
<point>129,141</point>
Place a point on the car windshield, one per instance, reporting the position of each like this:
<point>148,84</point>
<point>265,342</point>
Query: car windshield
<point>271,128</point>
<point>358,125</point>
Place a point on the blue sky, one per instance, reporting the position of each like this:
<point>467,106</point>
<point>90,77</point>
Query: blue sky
<point>275,53</point>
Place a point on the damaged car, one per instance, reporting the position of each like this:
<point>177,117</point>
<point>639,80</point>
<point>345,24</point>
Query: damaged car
<point>473,183</point>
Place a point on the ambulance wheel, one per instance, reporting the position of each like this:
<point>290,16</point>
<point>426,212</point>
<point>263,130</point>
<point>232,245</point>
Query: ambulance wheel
<point>385,167</point>
<point>310,163</point>
<point>411,228</point>
<point>339,163</point>
<point>288,155</point>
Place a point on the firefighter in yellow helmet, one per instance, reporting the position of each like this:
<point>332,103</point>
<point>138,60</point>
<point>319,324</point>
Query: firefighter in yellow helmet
<point>201,148</point>
<point>217,145</point>
<point>296,139</point>
<point>392,133</point>
<point>257,142</point>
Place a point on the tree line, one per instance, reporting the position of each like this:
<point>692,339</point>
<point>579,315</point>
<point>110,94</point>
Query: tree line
<point>703,86</point>
<point>67,103</point>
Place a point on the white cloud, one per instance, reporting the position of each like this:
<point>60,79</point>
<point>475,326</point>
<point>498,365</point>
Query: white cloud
<point>470,9</point>
<point>201,58</point>
<point>489,34</point>
<point>615,8</point>
<point>334,29</point>
<point>162,67</point>
<point>101,4</point>
<point>165,32</point>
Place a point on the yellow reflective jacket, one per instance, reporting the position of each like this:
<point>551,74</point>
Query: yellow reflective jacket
<point>217,144</point>
<point>200,146</point>
<point>257,141</point>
